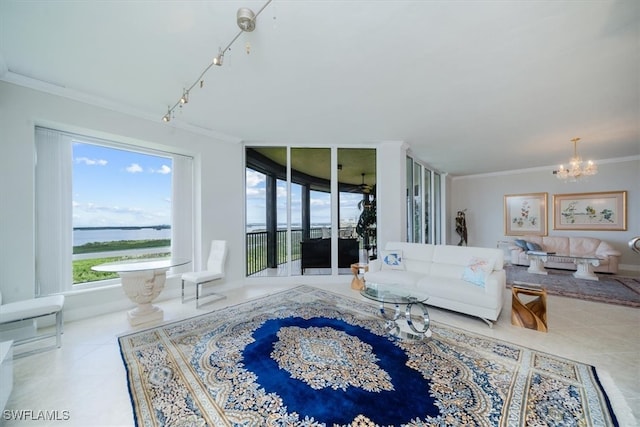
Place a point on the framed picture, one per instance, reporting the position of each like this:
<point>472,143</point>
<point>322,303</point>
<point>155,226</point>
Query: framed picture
<point>525,214</point>
<point>605,211</point>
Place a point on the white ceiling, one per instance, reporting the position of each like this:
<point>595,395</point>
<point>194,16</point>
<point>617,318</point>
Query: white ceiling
<point>472,86</point>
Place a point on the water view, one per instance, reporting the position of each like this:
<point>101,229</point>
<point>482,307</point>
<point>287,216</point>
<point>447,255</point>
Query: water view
<point>84,235</point>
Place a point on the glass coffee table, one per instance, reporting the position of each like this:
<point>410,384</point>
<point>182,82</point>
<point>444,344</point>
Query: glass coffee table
<point>584,264</point>
<point>418,324</point>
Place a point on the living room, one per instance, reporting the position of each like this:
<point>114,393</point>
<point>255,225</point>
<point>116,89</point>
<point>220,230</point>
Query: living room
<point>26,102</point>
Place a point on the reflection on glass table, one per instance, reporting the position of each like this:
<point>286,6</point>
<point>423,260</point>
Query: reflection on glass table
<point>418,324</point>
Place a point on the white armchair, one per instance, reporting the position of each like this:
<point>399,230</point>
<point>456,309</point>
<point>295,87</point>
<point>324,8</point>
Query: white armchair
<point>214,271</point>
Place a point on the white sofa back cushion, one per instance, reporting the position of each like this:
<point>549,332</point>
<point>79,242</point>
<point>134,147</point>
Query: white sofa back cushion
<point>463,255</point>
<point>584,246</point>
<point>415,257</point>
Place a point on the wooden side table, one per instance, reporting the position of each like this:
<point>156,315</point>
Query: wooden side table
<point>532,314</point>
<point>357,282</point>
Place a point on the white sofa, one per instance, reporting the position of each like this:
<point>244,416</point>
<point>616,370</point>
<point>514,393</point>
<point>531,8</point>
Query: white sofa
<point>437,271</point>
<point>576,246</point>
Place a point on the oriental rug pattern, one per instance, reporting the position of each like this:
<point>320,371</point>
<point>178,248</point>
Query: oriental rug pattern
<point>308,357</point>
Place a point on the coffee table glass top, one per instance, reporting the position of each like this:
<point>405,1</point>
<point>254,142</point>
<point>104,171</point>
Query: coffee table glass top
<point>389,294</point>
<point>126,266</point>
<point>556,256</point>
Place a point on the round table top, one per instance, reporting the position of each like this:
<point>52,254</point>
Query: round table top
<point>140,265</point>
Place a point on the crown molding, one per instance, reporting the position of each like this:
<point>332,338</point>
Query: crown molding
<point>75,95</point>
<point>541,168</point>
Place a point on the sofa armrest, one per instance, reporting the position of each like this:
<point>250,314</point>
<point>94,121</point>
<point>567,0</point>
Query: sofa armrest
<point>604,250</point>
<point>374,265</point>
<point>495,282</point>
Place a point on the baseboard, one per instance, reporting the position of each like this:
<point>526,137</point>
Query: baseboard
<point>629,267</point>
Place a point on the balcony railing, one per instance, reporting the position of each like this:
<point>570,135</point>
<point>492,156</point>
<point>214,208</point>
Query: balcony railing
<point>256,242</point>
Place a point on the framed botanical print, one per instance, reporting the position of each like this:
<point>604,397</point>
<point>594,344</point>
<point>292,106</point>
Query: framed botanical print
<point>525,214</point>
<point>606,211</point>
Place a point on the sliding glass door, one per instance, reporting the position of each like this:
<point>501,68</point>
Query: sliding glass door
<point>301,222</point>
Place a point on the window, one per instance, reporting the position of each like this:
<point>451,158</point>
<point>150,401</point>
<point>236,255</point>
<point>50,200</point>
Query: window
<point>99,201</point>
<point>423,203</point>
<point>294,195</point>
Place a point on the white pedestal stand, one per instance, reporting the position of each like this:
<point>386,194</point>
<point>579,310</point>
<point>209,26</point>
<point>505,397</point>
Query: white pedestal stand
<point>536,264</point>
<point>584,269</point>
<point>142,287</point>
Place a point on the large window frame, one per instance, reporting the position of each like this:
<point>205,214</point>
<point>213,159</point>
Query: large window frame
<point>423,202</point>
<point>53,206</point>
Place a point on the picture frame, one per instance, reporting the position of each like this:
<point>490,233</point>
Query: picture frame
<point>605,211</point>
<point>525,214</point>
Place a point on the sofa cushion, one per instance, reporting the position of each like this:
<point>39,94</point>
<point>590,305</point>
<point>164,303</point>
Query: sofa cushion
<point>522,244</point>
<point>393,277</point>
<point>557,244</point>
<point>477,271</point>
<point>585,246</point>
<point>456,290</point>
<point>532,246</point>
<point>392,260</point>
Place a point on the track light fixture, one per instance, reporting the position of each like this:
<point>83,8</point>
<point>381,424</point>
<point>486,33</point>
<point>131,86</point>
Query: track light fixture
<point>185,97</point>
<point>246,21</point>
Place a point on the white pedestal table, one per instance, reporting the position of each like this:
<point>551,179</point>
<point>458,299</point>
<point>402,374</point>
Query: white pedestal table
<point>142,282</point>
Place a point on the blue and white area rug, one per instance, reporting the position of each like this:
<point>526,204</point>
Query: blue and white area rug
<point>308,357</point>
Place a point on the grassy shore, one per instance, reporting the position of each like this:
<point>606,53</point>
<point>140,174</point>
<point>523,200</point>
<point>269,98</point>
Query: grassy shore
<point>120,245</point>
<point>82,271</point>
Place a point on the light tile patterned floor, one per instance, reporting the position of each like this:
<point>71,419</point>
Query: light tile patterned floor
<point>86,376</point>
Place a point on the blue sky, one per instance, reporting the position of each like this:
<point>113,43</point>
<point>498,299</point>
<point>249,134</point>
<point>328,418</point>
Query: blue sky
<point>114,187</point>
<point>119,188</point>
<point>320,203</point>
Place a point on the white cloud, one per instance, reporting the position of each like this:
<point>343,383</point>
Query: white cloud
<point>254,178</point>
<point>134,168</point>
<point>164,170</point>
<point>255,192</point>
<point>91,162</point>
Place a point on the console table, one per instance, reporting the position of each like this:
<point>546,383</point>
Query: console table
<point>142,282</point>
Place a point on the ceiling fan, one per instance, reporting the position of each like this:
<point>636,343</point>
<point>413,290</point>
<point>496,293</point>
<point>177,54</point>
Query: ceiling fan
<point>365,188</point>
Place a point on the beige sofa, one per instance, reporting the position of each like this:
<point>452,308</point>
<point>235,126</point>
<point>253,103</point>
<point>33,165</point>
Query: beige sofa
<point>576,246</point>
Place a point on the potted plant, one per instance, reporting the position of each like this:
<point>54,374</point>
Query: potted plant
<point>366,227</point>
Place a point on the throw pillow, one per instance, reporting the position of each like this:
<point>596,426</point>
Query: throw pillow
<point>392,260</point>
<point>533,246</point>
<point>477,271</point>
<point>522,244</point>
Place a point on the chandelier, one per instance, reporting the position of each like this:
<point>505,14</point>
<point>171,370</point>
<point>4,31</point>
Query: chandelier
<point>577,168</point>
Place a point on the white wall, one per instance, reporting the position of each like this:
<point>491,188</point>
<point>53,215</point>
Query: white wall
<point>483,195</point>
<point>220,193</point>
<point>219,182</point>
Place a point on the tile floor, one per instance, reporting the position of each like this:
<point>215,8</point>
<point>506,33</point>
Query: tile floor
<point>84,383</point>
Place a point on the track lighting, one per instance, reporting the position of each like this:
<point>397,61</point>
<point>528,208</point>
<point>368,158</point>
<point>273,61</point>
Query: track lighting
<point>246,21</point>
<point>185,97</point>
